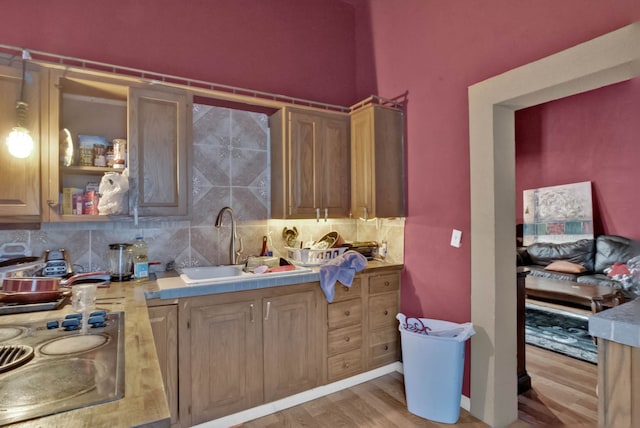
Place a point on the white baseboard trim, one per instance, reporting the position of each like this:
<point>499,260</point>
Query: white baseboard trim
<point>303,397</point>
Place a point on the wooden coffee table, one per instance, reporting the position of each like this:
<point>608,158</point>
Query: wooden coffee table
<point>594,296</point>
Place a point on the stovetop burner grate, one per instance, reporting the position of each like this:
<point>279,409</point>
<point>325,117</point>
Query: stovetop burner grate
<point>12,356</point>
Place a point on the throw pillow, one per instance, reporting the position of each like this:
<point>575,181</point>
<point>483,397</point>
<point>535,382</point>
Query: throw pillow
<point>565,267</point>
<point>618,269</point>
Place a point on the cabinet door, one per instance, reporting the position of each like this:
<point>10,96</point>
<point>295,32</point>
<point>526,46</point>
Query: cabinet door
<point>303,162</point>
<point>20,178</point>
<point>334,168</point>
<point>159,152</point>
<point>225,354</point>
<point>292,352</point>
<point>377,163</point>
<point>310,164</point>
<point>362,179</point>
<point>164,324</point>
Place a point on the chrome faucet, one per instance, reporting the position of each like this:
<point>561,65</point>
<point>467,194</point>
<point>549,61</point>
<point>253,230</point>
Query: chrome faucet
<point>234,256</point>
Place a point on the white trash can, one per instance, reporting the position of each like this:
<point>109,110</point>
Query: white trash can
<point>433,362</point>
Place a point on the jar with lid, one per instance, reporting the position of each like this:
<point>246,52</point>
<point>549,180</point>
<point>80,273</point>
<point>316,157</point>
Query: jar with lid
<point>119,153</point>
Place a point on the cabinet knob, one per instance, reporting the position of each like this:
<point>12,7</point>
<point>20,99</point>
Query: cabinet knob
<point>347,313</point>
<point>345,289</point>
<point>345,365</point>
<point>387,283</point>
<point>346,339</point>
<point>386,312</point>
<point>386,347</point>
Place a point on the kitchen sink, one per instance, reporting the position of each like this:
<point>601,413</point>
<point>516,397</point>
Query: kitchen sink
<point>230,273</point>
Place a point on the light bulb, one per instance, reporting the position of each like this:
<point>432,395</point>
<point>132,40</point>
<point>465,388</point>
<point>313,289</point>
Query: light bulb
<point>19,142</point>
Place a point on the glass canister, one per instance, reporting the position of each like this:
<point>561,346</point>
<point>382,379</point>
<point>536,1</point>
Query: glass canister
<point>119,153</point>
<point>120,262</point>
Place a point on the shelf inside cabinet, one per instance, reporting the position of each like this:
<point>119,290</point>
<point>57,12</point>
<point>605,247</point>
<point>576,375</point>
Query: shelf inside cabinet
<point>88,170</point>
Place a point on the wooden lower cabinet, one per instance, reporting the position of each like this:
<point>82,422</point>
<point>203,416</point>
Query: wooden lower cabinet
<point>292,352</point>
<point>362,330</point>
<point>239,350</point>
<point>164,324</point>
<point>220,356</point>
<point>224,353</point>
<point>383,303</point>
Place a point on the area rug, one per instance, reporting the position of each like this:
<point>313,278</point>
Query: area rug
<point>559,331</point>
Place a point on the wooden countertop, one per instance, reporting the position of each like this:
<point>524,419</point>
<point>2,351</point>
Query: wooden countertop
<point>144,402</point>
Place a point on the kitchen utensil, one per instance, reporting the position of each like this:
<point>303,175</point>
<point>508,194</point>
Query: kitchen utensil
<point>330,240</point>
<point>120,262</point>
<point>57,263</point>
<point>38,284</point>
<point>29,297</point>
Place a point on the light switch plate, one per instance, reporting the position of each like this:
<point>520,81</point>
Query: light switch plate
<point>456,237</point>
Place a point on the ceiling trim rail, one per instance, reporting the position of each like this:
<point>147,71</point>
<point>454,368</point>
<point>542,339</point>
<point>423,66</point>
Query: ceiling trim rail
<point>9,53</point>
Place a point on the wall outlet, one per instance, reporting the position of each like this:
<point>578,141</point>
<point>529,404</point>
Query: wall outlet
<point>456,237</point>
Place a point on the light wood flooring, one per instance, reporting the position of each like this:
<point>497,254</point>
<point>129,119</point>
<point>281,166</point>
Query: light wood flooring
<point>563,394</point>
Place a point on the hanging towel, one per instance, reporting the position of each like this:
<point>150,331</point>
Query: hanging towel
<point>343,268</point>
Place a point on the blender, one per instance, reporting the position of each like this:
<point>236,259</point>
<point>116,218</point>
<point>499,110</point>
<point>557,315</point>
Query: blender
<point>120,262</point>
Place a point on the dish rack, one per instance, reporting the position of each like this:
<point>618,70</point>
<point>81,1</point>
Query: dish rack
<point>310,257</point>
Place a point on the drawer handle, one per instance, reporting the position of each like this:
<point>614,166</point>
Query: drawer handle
<point>386,312</point>
<point>386,347</point>
<point>345,289</point>
<point>387,283</point>
<point>345,365</point>
<point>346,339</point>
<point>347,313</point>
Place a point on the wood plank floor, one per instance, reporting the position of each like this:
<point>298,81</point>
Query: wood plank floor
<point>563,394</point>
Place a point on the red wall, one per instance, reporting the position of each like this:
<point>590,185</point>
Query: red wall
<point>435,50</point>
<point>300,48</point>
<point>588,137</point>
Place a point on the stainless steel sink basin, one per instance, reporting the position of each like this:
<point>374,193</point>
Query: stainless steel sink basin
<point>229,273</point>
<point>213,272</point>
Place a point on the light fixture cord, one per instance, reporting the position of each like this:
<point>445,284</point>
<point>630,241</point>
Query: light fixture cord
<point>21,105</point>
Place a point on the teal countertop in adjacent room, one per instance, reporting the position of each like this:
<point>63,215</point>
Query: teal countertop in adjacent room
<point>619,324</point>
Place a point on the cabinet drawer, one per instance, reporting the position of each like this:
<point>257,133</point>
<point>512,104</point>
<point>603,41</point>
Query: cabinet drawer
<point>384,283</point>
<point>345,293</point>
<point>382,311</point>
<point>384,346</point>
<point>344,365</point>
<point>344,339</point>
<point>344,313</point>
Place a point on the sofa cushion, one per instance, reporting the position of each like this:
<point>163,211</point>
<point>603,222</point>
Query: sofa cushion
<point>599,279</point>
<point>536,270</point>
<point>612,248</point>
<point>580,252</point>
<point>565,266</point>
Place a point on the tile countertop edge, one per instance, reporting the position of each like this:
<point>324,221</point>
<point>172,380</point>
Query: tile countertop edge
<point>144,402</point>
<point>171,286</point>
<point>619,324</point>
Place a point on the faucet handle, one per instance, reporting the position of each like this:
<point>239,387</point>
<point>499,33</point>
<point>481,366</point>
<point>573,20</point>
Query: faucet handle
<point>239,250</point>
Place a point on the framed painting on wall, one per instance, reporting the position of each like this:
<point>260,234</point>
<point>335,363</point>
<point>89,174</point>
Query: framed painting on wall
<point>558,214</point>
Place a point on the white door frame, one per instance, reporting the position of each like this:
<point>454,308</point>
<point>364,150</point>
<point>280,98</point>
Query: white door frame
<point>608,59</point>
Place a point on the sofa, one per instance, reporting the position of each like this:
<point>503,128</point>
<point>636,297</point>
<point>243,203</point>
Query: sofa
<point>608,260</point>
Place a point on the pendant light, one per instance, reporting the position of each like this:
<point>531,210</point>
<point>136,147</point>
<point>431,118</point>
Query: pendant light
<point>19,141</point>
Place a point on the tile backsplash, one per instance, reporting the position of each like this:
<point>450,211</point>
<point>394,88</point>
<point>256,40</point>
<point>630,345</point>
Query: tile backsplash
<point>230,168</point>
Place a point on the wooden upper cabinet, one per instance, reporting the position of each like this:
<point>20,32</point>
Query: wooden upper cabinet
<point>20,191</point>
<point>155,123</point>
<point>310,164</point>
<point>159,147</point>
<point>377,162</point>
